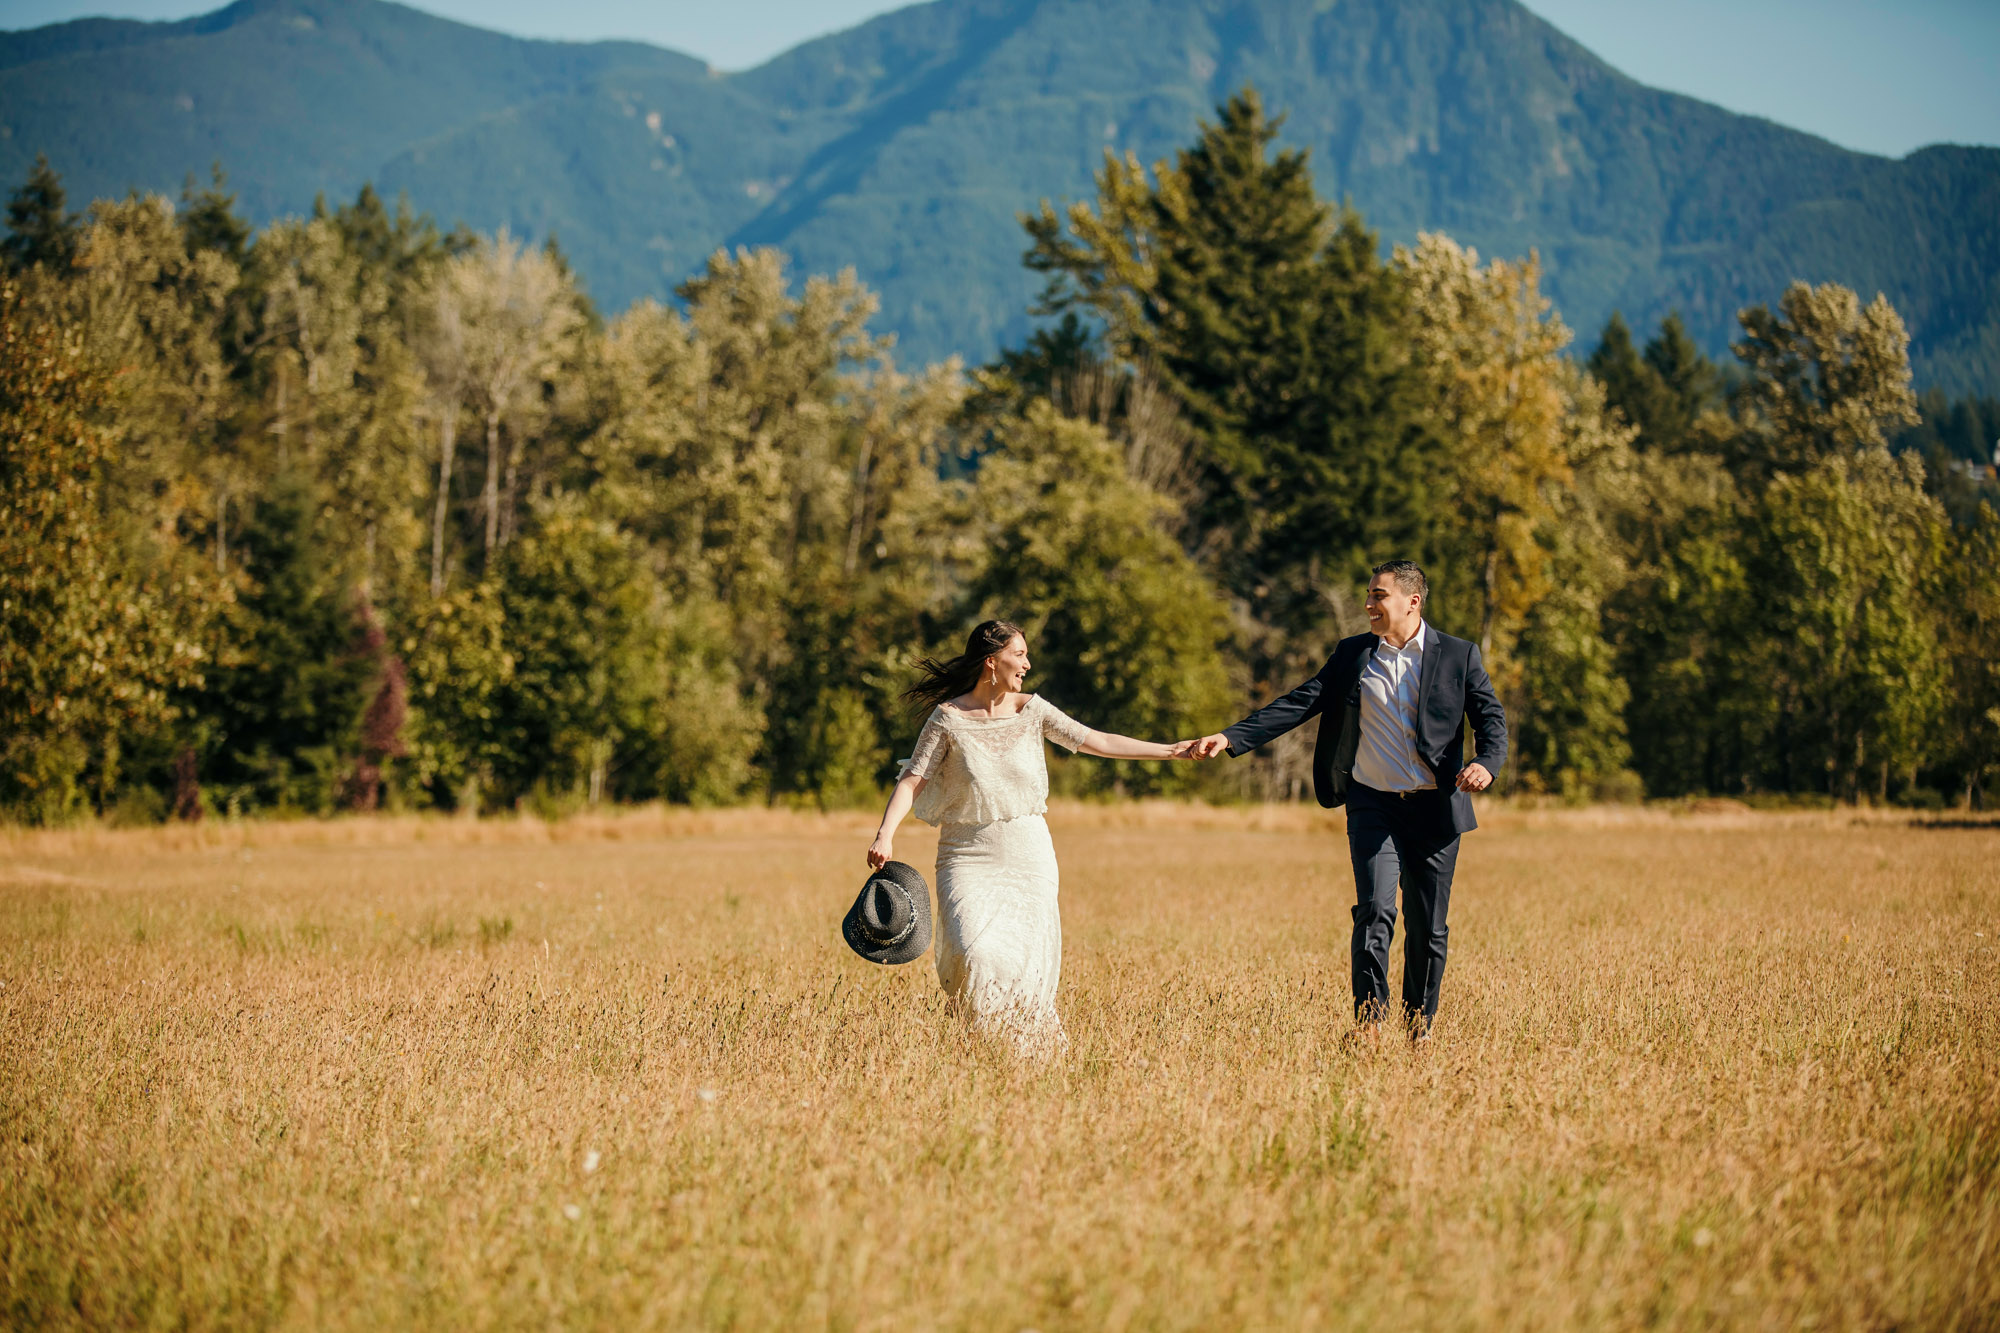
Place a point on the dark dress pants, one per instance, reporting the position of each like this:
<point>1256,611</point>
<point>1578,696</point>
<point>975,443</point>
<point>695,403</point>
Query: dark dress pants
<point>1410,839</point>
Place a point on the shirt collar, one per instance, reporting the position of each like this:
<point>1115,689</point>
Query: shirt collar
<point>1415,645</point>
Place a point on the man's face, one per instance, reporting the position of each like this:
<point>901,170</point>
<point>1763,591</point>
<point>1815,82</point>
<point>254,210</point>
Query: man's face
<point>1390,609</point>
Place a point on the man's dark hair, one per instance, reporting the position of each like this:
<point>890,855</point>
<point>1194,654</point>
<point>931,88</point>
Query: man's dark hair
<point>1408,575</point>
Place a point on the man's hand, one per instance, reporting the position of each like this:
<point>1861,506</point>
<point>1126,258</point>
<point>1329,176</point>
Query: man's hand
<point>1474,777</point>
<point>1210,746</point>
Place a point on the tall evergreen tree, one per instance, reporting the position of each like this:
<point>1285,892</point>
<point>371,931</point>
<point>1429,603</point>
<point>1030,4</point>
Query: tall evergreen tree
<point>208,217</point>
<point>1354,474</point>
<point>39,231</point>
<point>1630,385</point>
<point>1274,323</point>
<point>1663,391</point>
<point>1689,385</point>
<point>1231,314</point>
<point>401,246</point>
<point>281,717</point>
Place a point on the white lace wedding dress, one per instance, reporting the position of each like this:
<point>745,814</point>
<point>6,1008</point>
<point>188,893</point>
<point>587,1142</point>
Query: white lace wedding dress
<point>999,941</point>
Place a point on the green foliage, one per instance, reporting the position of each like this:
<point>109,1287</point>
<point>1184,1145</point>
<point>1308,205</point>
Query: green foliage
<point>1519,421</point>
<point>459,664</point>
<point>1966,430</point>
<point>92,644</point>
<point>1792,642</point>
<point>39,230</point>
<point>1283,339</point>
<point>1782,628</point>
<point>1843,566</point>
<point>1568,714</point>
<point>845,753</point>
<point>1662,393</point>
<point>1958,441</point>
<point>1630,385</point>
<point>582,622</point>
<point>881,148</point>
<point>569,680</point>
<point>1970,648</point>
<point>1678,621</point>
<point>279,717</point>
<point>693,551</point>
<point>1126,633</point>
<point>1827,377</point>
<point>704,746</point>
<point>1690,385</point>
<point>208,218</point>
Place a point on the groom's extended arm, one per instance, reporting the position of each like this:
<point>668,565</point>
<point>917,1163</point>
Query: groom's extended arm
<point>1279,716</point>
<point>1489,719</point>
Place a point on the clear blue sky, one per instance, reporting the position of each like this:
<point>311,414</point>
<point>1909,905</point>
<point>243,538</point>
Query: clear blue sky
<point>1881,75</point>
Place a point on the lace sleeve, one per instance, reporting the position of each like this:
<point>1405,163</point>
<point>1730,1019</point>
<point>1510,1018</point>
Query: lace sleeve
<point>933,744</point>
<point>1060,727</point>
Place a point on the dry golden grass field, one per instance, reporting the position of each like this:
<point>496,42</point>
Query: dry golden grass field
<point>1723,1070</point>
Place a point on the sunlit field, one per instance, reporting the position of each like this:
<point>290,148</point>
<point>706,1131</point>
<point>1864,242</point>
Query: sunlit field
<point>1693,1070</point>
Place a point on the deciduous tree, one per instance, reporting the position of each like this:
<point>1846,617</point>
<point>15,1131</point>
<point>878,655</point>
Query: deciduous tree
<point>1124,627</point>
<point>498,320</point>
<point>1843,570</point>
<point>92,647</point>
<point>1828,376</point>
<point>1492,346</point>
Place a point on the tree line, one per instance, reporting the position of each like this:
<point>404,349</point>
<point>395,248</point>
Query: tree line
<point>352,511</point>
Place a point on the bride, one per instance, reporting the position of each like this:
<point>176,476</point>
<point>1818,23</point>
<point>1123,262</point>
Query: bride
<point>978,773</point>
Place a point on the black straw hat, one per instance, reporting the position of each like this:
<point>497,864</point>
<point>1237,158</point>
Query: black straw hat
<point>891,921</point>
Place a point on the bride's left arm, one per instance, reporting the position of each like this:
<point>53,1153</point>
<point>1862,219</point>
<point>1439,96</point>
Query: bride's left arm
<point>1110,745</point>
<point>1072,735</point>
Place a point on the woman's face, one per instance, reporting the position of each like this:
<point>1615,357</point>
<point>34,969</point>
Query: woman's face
<point>1011,663</point>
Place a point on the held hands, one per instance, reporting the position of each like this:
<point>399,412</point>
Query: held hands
<point>1208,746</point>
<point>1473,777</point>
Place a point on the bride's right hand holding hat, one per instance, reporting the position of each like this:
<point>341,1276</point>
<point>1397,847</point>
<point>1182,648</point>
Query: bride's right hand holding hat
<point>890,921</point>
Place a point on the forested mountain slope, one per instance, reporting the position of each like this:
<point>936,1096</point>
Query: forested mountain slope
<point>906,147</point>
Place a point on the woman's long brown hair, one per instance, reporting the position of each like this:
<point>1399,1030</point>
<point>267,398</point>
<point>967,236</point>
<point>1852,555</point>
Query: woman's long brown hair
<point>939,681</point>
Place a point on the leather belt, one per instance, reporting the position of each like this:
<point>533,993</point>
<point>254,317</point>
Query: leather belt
<point>1399,795</point>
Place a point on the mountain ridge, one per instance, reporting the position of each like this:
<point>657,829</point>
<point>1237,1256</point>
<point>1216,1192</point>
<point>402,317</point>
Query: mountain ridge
<point>906,146</point>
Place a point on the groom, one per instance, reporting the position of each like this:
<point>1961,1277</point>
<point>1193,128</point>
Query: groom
<point>1391,749</point>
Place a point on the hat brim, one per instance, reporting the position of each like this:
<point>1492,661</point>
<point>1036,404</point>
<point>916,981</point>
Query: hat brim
<point>913,945</point>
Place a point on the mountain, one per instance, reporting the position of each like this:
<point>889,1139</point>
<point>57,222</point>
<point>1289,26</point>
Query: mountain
<point>905,148</point>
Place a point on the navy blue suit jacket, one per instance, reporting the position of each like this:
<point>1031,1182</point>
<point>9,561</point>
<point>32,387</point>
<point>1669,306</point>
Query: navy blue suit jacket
<point>1451,687</point>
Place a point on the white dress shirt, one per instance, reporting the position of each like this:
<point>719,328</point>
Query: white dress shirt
<point>1386,758</point>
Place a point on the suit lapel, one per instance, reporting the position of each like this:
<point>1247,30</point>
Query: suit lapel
<point>1427,683</point>
<point>1369,643</point>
